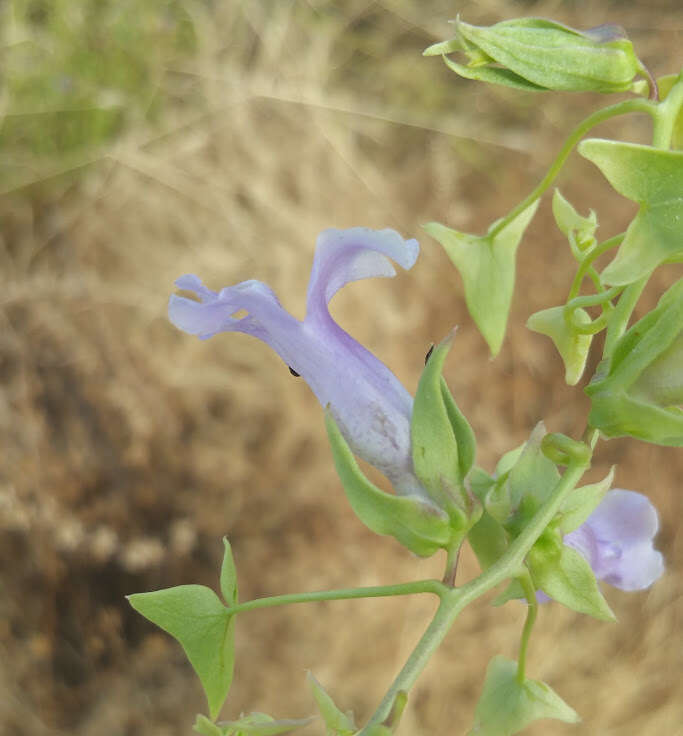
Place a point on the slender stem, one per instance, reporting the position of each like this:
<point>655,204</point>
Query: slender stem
<point>667,114</point>
<point>532,611</point>
<point>453,554</point>
<point>419,586</point>
<point>622,314</point>
<point>591,300</point>
<point>621,108</point>
<point>453,601</point>
<point>587,262</point>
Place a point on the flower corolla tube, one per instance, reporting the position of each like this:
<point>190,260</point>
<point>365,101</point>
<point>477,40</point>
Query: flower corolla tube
<point>616,540</point>
<point>369,404</point>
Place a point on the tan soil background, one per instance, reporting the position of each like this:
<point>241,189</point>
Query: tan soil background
<point>128,449</point>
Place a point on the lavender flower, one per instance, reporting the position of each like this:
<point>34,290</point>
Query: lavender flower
<point>616,540</point>
<point>369,404</point>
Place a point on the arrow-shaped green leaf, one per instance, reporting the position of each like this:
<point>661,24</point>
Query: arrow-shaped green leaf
<point>653,178</point>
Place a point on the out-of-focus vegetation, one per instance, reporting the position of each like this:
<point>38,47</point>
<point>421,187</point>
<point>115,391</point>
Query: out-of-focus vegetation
<point>76,75</point>
<point>140,141</point>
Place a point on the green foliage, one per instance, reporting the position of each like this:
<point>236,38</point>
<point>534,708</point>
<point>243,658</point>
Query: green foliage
<point>254,724</point>
<point>579,229</point>
<point>442,441</point>
<point>571,344</point>
<point>194,615</point>
<point>653,178</point>
<point>228,577</point>
<point>487,266</point>
<point>507,705</point>
<point>532,477</point>
<point>538,54</point>
<point>637,390</point>
<point>77,73</point>
<point>581,503</point>
<point>563,574</point>
<point>415,523</point>
<point>336,722</point>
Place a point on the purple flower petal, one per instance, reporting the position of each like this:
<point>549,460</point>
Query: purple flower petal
<point>368,402</point>
<point>617,541</point>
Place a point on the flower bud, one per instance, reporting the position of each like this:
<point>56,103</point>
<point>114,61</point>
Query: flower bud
<point>539,54</point>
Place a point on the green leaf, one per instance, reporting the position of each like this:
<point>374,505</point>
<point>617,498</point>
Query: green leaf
<point>442,441</point>
<point>194,615</point>
<point>563,574</point>
<point>623,388</point>
<point>572,346</point>
<point>414,522</point>
<point>260,724</point>
<point>653,178</point>
<point>507,706</point>
<point>337,722</point>
<point>228,576</point>
<point>487,266</point>
<point>571,223</point>
<point>581,503</point>
<point>488,540</point>
<point>513,592</point>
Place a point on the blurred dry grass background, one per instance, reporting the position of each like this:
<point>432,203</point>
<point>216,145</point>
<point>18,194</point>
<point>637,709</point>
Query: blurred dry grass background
<point>128,449</point>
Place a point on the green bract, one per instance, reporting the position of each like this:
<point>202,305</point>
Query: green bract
<point>538,54</point>
<point>337,723</point>
<point>254,724</point>
<point>572,345</point>
<point>507,706</point>
<point>417,524</point>
<point>563,574</point>
<point>487,266</point>
<point>637,390</point>
<point>653,178</point>
<point>578,229</point>
<point>443,443</point>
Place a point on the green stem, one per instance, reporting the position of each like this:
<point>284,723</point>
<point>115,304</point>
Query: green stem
<point>453,601</point>
<point>419,586</point>
<point>532,611</point>
<point>587,262</point>
<point>666,115</point>
<point>621,108</point>
<point>622,314</point>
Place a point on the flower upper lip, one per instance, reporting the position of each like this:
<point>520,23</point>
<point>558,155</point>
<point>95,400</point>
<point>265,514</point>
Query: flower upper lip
<point>368,402</point>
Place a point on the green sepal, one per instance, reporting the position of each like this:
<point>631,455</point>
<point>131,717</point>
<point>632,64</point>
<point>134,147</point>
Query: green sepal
<point>480,482</point>
<point>532,478</point>
<point>492,75</point>
<point>487,266</point>
<point>573,225</point>
<point>653,178</point>
<point>508,460</point>
<point>572,346</point>
<point>507,706</point>
<point>337,722</point>
<point>228,579</point>
<point>637,390</point>
<point>547,54</point>
<point>498,502</point>
<point>443,443</point>
<point>196,618</point>
<point>415,522</point>
<point>254,724</point>
<point>563,574</point>
<point>581,503</point>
